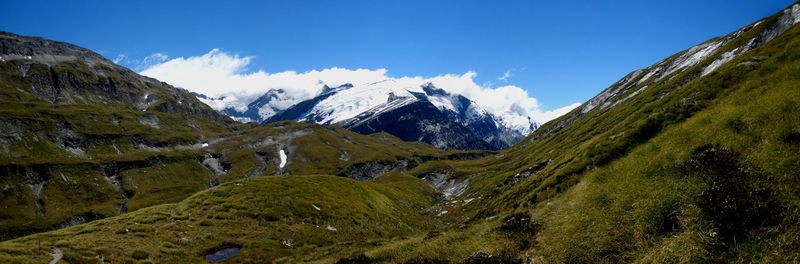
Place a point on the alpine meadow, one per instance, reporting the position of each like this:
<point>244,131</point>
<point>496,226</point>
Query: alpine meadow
<point>694,159</point>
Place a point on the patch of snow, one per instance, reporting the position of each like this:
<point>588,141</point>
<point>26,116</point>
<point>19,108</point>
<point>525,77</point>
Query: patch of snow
<point>282,154</point>
<point>442,102</point>
<point>277,101</point>
<point>224,102</point>
<point>394,104</point>
<point>631,95</point>
<point>57,255</point>
<point>316,207</point>
<point>605,97</point>
<point>453,188</point>
<point>591,104</point>
<point>467,201</point>
<point>648,75</point>
<point>36,189</point>
<point>205,145</point>
<point>693,56</point>
<point>287,243</point>
<point>78,152</point>
<point>450,187</point>
<point>443,212</point>
<point>330,228</point>
<point>243,119</point>
<point>213,164</point>
<point>344,156</point>
<point>520,123</point>
<point>349,103</point>
<point>149,119</point>
<point>727,56</point>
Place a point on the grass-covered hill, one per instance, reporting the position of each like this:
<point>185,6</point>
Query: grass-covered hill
<point>73,125</point>
<point>305,217</point>
<point>695,159</point>
<point>83,139</point>
<point>684,165</point>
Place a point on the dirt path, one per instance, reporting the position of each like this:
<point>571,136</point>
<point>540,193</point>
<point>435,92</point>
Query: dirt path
<point>57,255</point>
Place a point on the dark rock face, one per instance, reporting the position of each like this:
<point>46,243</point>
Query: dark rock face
<point>516,178</point>
<point>81,219</point>
<point>13,46</point>
<point>418,121</point>
<point>63,73</point>
<point>297,111</point>
<point>482,125</point>
<point>369,170</point>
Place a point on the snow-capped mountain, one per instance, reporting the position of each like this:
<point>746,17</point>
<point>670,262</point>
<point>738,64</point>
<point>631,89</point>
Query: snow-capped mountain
<point>422,113</point>
<point>271,103</point>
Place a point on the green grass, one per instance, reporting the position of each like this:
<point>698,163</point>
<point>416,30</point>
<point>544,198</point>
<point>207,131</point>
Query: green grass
<point>256,214</point>
<point>164,183</point>
<point>691,170</point>
<point>313,149</point>
<point>106,132</point>
<point>615,183</point>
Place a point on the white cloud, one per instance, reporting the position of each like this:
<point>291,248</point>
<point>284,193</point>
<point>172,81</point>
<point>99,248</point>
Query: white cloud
<point>119,58</point>
<point>153,59</point>
<point>218,73</point>
<point>553,114</point>
<point>505,76</point>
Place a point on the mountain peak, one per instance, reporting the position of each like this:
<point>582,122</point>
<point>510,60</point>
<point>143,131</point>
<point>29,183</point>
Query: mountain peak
<point>45,51</point>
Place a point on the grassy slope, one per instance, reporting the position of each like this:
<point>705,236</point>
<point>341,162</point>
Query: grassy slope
<point>616,212</point>
<point>313,149</point>
<point>155,165</point>
<point>106,130</point>
<point>260,214</point>
<point>618,189</point>
<point>633,184</point>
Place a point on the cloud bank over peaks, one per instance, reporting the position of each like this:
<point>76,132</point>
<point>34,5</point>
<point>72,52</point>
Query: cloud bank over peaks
<point>223,75</point>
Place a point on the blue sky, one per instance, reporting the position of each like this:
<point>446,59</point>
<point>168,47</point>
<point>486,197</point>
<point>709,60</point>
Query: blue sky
<point>561,52</point>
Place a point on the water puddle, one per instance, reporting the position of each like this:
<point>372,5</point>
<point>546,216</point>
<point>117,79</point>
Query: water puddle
<point>222,254</point>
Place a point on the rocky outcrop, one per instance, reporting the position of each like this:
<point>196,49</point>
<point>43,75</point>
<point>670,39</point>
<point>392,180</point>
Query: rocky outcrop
<point>368,170</point>
<point>516,178</point>
<point>45,51</point>
<point>63,73</point>
<point>371,169</point>
<point>449,186</point>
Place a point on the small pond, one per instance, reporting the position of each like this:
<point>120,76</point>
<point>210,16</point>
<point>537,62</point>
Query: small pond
<point>222,254</point>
